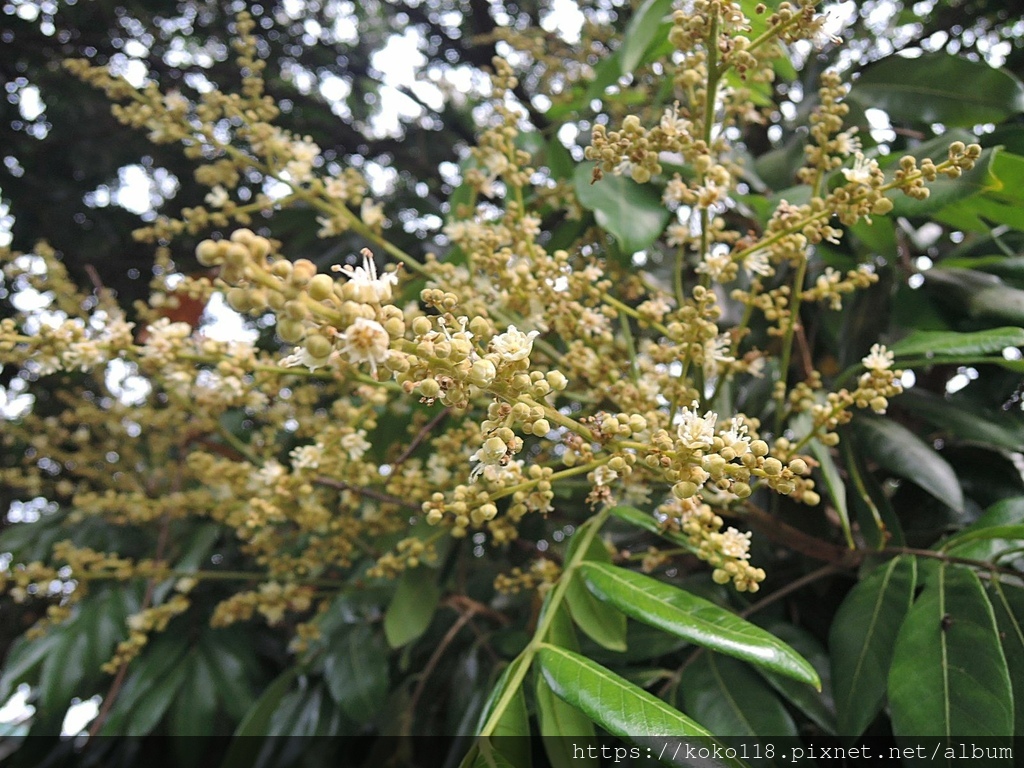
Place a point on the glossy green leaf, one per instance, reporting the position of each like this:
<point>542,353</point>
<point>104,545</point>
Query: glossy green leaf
<point>161,656</point>
<point>555,718</point>
<point>228,655</point>
<point>1007,267</point>
<point>695,619</point>
<point>1008,606</point>
<point>951,347</point>
<point>647,522</point>
<point>939,88</point>
<point>731,699</point>
<point>412,607</point>
<point>66,668</point>
<point>641,31</point>
<point>606,73</point>
<point>512,747</point>
<point>356,672</point>
<point>966,421</point>
<point>979,294</point>
<point>615,704</point>
<point>634,214</point>
<point>834,484</point>
<point>194,709</point>
<point>1002,202</point>
<point>24,657</point>
<point>861,642</point>
<point>244,747</point>
<point>818,706</point>
<point>155,700</point>
<point>600,621</point>
<point>903,453</point>
<point>879,524</point>
<point>993,532</point>
<point>949,676</point>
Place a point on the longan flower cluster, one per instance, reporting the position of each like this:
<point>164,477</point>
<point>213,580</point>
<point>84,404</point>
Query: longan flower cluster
<point>728,553</point>
<point>541,575</point>
<point>528,370</point>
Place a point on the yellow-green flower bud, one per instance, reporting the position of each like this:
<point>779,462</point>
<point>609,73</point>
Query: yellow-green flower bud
<point>290,331</point>
<point>321,287</point>
<point>319,346</point>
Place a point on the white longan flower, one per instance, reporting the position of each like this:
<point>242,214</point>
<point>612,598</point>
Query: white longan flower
<point>306,456</point>
<point>604,475</point>
<point>696,432</point>
<point>513,344</point>
<point>355,445</point>
<point>756,263</point>
<point>863,170</point>
<point>879,359</point>
<point>364,284</point>
<point>492,453</point>
<point>366,341</point>
<point>217,198</point>
<point>735,544</point>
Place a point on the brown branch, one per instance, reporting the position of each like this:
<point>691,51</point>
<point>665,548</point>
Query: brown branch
<point>420,437</point>
<point>795,539</point>
<point>369,493</point>
<point>122,672</point>
<point>942,556</point>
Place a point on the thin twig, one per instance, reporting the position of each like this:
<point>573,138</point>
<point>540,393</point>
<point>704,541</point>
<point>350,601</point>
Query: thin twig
<point>122,671</point>
<point>387,498</point>
<point>420,437</point>
<point>984,565</point>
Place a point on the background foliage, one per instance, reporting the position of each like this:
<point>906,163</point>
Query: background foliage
<point>932,496</point>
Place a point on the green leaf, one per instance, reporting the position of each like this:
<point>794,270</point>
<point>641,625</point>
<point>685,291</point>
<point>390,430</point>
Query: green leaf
<point>939,88</point>
<point>641,32</point>
<point>25,656</point>
<point>227,655</point>
<point>949,675</point>
<point>819,706</point>
<point>730,698</point>
<point>952,347</point>
<point>598,620</point>
<point>555,718</point>
<point>903,453</point>
<point>605,74</point>
<point>513,727</point>
<point>647,522</point>
<point>861,642</point>
<point>615,704</point>
<point>244,748</point>
<point>835,485</point>
<point>1008,605</point>
<point>356,672</point>
<point>195,706</point>
<point>979,294</point>
<point>695,619</point>
<point>634,214</point>
<point>993,532</point>
<point>161,657</point>
<point>1002,201</point>
<point>1008,267</point>
<point>155,700</point>
<point>966,421</point>
<point>412,607</point>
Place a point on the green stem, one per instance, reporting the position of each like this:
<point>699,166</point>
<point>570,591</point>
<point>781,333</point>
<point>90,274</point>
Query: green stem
<point>587,531</point>
<point>787,343</point>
